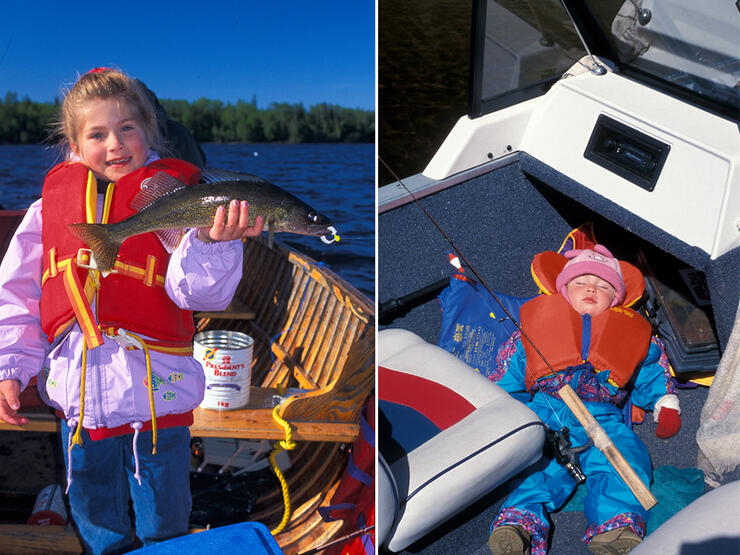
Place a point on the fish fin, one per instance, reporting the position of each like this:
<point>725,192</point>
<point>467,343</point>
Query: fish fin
<point>270,236</point>
<point>152,188</point>
<point>212,175</point>
<point>102,244</point>
<point>170,238</point>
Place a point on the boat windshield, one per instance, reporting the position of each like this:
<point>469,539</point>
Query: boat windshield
<point>694,45</point>
<point>519,47</point>
<point>524,46</point>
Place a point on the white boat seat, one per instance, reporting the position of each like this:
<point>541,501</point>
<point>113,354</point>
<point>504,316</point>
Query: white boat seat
<point>447,436</point>
<point>709,525</point>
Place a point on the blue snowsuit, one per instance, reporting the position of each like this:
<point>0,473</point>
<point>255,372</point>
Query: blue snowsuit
<point>547,485</point>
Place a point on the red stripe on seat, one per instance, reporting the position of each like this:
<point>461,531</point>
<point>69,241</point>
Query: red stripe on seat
<point>443,406</point>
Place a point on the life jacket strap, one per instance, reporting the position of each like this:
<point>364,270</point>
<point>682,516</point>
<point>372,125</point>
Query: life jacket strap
<point>180,348</point>
<point>81,308</point>
<point>83,259</point>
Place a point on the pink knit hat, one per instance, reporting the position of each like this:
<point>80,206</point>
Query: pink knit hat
<point>598,262</point>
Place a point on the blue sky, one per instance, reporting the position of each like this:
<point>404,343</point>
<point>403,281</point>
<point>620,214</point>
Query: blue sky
<point>279,51</point>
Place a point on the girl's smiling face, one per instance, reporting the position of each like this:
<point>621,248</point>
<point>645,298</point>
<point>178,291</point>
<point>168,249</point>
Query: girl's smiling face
<point>111,141</point>
<point>589,294</point>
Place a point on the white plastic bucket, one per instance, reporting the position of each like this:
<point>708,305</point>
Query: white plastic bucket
<point>226,358</point>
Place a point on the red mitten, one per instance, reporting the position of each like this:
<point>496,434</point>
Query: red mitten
<point>669,422</point>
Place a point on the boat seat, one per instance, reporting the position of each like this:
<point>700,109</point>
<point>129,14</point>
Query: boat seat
<point>708,525</point>
<point>447,437</point>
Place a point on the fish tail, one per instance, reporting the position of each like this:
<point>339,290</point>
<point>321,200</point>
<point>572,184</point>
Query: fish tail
<point>101,241</point>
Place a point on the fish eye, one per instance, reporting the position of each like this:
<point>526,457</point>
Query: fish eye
<point>313,217</point>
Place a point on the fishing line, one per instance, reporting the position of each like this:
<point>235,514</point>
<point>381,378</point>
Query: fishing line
<point>475,272</point>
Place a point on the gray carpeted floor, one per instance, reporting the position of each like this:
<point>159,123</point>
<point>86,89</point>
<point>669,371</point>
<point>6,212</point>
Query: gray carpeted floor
<point>499,221</point>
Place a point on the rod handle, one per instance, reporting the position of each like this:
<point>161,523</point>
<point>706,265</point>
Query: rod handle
<point>604,444</point>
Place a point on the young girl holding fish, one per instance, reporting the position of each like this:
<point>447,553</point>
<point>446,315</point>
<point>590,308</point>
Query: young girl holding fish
<point>112,353</point>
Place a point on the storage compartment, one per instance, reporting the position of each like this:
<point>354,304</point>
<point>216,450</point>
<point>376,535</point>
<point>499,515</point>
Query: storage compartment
<point>677,302</point>
<point>626,152</point>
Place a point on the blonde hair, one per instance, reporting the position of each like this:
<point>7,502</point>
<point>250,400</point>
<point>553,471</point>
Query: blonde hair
<point>105,84</point>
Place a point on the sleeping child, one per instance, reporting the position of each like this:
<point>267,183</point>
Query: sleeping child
<point>605,351</point>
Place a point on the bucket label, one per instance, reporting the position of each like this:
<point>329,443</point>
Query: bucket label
<point>223,365</point>
<point>226,359</point>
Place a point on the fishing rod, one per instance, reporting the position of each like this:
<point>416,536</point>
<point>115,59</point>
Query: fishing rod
<point>398,306</point>
<point>337,541</point>
<point>593,429</point>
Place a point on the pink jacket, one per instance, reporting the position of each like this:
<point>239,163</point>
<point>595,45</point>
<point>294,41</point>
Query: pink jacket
<point>200,276</point>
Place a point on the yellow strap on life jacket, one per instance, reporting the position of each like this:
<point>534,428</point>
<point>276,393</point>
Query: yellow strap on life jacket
<point>150,272</point>
<point>80,296</point>
<point>107,204</point>
<point>82,258</point>
<point>146,274</point>
<point>91,198</point>
<point>81,307</point>
<point>53,268</point>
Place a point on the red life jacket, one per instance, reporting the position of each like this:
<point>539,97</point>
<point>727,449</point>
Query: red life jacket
<point>619,339</point>
<point>133,297</point>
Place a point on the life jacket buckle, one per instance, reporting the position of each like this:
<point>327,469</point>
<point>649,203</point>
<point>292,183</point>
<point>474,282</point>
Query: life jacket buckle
<point>123,339</point>
<point>85,259</point>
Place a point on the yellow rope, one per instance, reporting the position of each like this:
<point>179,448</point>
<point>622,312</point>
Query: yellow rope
<point>152,411</point>
<point>286,444</point>
<point>77,438</point>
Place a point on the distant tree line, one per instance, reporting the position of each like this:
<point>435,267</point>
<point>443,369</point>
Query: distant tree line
<point>27,122</point>
<point>212,120</point>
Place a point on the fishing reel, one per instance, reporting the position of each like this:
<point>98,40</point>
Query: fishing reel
<point>565,454</point>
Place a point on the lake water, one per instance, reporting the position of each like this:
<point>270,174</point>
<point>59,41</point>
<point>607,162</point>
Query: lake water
<point>336,179</point>
<point>423,60</point>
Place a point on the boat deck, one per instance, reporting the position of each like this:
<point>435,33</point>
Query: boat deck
<point>499,221</point>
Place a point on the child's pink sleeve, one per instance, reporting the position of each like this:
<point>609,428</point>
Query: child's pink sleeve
<point>204,276</point>
<point>23,344</point>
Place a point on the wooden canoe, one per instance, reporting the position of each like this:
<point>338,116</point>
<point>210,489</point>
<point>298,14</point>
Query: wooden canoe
<point>313,331</point>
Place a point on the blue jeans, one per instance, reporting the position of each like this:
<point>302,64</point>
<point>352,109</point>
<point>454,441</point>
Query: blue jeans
<point>103,483</point>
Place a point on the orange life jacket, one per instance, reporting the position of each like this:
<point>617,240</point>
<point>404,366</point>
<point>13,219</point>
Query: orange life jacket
<point>133,297</point>
<point>619,339</point>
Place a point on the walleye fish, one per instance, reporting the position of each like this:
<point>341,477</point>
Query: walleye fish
<point>168,207</point>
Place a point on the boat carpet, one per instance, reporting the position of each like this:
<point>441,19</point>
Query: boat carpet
<point>499,221</point>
